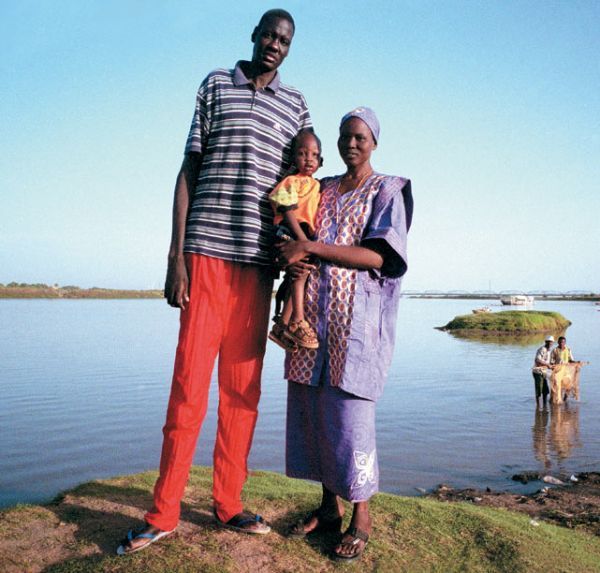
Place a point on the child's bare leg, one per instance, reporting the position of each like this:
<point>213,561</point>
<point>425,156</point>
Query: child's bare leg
<point>298,330</point>
<point>286,313</point>
<point>297,298</point>
<point>278,332</point>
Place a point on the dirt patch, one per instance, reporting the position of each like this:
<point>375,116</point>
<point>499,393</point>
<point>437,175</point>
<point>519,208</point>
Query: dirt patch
<point>575,505</point>
<point>81,530</point>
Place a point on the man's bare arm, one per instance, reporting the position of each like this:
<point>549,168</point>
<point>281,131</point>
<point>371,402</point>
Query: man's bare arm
<point>177,281</point>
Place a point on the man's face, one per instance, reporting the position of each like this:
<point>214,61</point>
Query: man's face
<point>272,42</point>
<point>562,343</point>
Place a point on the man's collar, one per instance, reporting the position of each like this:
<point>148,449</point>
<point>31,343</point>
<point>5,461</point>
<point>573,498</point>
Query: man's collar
<point>240,79</point>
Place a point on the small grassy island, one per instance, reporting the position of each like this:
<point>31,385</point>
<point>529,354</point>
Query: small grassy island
<point>508,322</point>
<point>78,533</point>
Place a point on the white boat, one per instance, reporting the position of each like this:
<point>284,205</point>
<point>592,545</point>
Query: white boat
<point>517,300</point>
<point>482,310</point>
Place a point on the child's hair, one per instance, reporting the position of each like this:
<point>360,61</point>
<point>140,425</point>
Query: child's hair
<point>304,131</point>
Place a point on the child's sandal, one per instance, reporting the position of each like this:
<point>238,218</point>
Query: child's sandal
<point>302,334</point>
<point>278,335</point>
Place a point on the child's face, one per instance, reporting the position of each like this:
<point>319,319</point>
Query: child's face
<point>306,155</point>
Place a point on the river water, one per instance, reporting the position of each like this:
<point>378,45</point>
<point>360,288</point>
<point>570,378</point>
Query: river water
<point>84,386</point>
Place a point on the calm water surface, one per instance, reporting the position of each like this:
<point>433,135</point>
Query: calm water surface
<point>84,386</point>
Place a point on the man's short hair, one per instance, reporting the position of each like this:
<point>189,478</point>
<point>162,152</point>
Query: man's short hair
<point>277,13</point>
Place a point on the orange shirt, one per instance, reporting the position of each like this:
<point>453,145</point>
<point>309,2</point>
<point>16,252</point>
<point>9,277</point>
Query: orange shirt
<point>299,193</point>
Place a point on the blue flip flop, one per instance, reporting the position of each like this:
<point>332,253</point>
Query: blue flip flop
<point>240,520</point>
<point>137,534</point>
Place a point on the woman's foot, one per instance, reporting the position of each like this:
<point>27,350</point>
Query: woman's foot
<point>319,520</point>
<point>352,545</point>
<point>356,537</point>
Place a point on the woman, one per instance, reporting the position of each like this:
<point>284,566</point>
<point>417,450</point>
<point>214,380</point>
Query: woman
<point>351,302</point>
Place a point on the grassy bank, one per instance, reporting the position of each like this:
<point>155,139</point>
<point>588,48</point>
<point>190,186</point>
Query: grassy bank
<point>508,322</point>
<point>79,532</point>
<point>14,290</point>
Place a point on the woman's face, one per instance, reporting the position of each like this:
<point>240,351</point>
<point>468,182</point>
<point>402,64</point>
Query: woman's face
<point>355,142</point>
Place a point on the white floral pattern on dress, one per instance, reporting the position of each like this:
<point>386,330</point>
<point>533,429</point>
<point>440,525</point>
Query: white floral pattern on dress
<point>364,463</point>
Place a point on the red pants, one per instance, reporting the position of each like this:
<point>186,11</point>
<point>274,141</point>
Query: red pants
<point>228,315</point>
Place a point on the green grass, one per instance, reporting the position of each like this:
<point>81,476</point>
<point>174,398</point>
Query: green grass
<point>410,534</point>
<point>509,322</point>
<point>14,290</point>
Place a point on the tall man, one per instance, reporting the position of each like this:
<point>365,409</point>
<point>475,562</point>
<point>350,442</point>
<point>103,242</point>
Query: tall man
<point>218,272</point>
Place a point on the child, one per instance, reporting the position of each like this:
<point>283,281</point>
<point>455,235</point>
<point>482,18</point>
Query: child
<point>295,201</point>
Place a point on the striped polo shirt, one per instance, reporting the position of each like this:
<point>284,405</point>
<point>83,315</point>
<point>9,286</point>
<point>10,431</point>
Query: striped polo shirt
<point>244,137</point>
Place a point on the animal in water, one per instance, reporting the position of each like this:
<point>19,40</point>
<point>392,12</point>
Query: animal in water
<point>564,382</point>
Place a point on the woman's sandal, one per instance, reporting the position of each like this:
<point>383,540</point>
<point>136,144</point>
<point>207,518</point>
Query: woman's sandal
<point>358,537</point>
<point>244,522</point>
<point>125,546</point>
<point>302,334</point>
<point>323,525</point>
<point>278,335</point>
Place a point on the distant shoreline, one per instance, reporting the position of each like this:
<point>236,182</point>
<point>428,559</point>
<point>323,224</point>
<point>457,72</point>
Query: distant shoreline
<point>44,291</point>
<point>73,292</point>
<point>592,297</point>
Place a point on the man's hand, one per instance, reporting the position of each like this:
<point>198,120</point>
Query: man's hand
<point>177,283</point>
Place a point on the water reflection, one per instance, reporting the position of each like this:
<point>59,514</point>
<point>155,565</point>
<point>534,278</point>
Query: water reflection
<point>555,433</point>
<point>540,438</point>
<point>536,339</point>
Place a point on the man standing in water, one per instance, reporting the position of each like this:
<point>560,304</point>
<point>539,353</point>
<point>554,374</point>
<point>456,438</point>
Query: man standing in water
<point>562,353</point>
<point>218,274</point>
<point>540,370</point>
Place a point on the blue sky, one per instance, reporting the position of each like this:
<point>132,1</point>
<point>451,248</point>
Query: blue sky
<point>491,108</point>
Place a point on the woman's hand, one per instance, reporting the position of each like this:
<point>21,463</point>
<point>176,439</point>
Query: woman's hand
<point>299,270</point>
<point>291,252</point>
